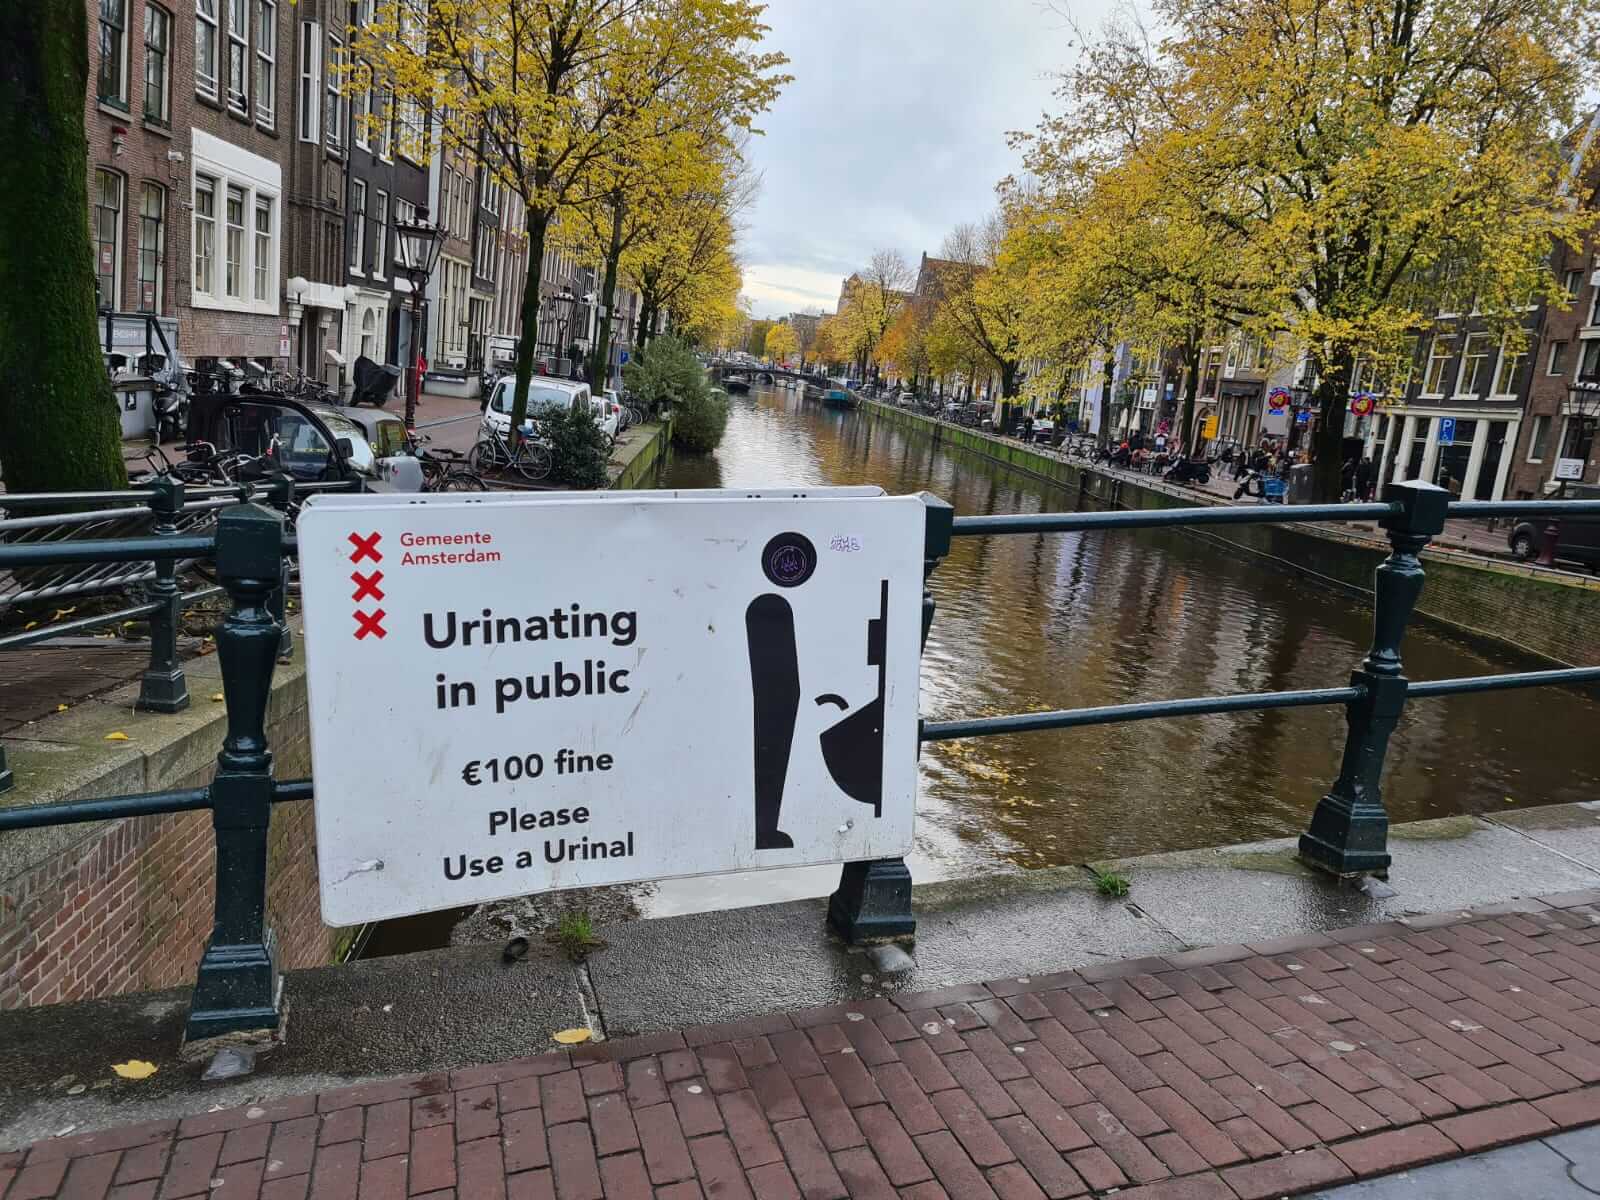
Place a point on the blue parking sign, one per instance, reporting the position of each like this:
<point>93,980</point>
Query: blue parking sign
<point>1447,431</point>
<point>624,356</point>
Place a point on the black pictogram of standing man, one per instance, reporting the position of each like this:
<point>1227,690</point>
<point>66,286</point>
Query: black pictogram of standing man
<point>853,747</point>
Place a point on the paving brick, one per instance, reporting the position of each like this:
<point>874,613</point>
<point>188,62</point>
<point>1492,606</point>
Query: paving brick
<point>383,1179</point>
<point>388,1129</point>
<point>622,1175</point>
<point>1286,1175</point>
<point>1042,1160</point>
<point>869,1042</point>
<point>1171,1036</point>
<point>755,1052</point>
<point>1395,1149</point>
<point>926,1067</point>
<point>829,1113</point>
<point>1214,1146</point>
<point>561,1097</point>
<point>247,1142</point>
<point>893,1146</point>
<point>1187,1084</point>
<point>1260,1108</point>
<point>612,1124</point>
<point>717,1166</point>
<point>1049,1117</point>
<point>523,1139</point>
<point>295,1187</point>
<point>1112,1093</point>
<point>572,1161</point>
<point>1012,1182</point>
<point>697,1107</point>
<point>773,1182</point>
<point>337,1172</point>
<point>665,1153</point>
<point>863,1177</point>
<point>795,1052</point>
<point>1097,1169</point>
<point>1045,1068</point>
<point>1572,1109</point>
<point>645,1085</point>
<point>961,1017</point>
<point>679,1064</point>
<point>1125,1149</point>
<point>480,1170</point>
<point>433,1159</point>
<point>748,1129</point>
<point>966,1120</point>
<point>294,1145</point>
<point>1250,1137</point>
<point>812,1169</point>
<point>775,1090</point>
<point>191,1169</point>
<point>541,1185</point>
<point>924,1191</point>
<point>722,1069</point>
<point>979,1085</point>
<point>952,1168</point>
<point>1062,1043</point>
<point>828,1039</point>
<point>440,1110</point>
<point>1193,1187</point>
<point>1180,1157</point>
<point>1495,1126</point>
<point>146,1162</point>
<point>341,1125</point>
<point>89,1177</point>
<point>854,1081</point>
<point>1072,1015</point>
<point>999,1058</point>
<point>938,997</point>
<point>910,1103</point>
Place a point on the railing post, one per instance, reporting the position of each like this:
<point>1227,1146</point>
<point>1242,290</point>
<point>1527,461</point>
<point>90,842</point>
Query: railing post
<point>873,900</point>
<point>1350,828</point>
<point>6,778</point>
<point>237,985</point>
<point>162,687</point>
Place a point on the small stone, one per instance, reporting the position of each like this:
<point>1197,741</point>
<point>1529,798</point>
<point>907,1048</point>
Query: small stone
<point>1294,966</point>
<point>77,1089</point>
<point>253,1113</point>
<point>1312,1000</point>
<point>855,1016</point>
<point>1023,979</point>
<point>1342,1047</point>
<point>694,1089</point>
<point>866,977</point>
<point>1019,1049</point>
<point>848,1050</point>
<point>933,1028</point>
<point>890,959</point>
<point>230,1063</point>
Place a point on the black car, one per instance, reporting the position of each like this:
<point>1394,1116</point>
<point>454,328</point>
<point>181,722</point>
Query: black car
<point>1577,540</point>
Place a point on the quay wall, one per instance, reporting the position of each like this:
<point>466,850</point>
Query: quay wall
<point>1544,614</point>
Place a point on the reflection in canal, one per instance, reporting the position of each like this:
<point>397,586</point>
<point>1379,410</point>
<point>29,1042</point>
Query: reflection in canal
<point>1071,620</point>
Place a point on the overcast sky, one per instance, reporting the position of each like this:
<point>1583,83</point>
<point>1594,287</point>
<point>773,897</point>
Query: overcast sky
<point>893,131</point>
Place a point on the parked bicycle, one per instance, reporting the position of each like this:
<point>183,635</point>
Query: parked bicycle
<point>530,458</point>
<point>443,470</point>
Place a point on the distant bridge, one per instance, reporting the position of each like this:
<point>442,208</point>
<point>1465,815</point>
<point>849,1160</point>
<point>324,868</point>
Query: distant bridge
<point>760,374</point>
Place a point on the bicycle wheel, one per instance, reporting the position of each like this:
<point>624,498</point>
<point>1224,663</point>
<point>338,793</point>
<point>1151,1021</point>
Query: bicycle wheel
<point>462,480</point>
<point>484,457</point>
<point>533,461</point>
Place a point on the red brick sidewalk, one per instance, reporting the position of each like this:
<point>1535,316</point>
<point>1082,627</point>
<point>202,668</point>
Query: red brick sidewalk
<point>1245,1072</point>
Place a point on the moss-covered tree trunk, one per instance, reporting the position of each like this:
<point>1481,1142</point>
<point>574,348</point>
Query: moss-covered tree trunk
<point>59,429</point>
<point>600,354</point>
<point>538,231</point>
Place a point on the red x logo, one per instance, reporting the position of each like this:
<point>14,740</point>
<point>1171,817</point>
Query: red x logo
<point>367,585</point>
<point>365,547</point>
<point>369,624</point>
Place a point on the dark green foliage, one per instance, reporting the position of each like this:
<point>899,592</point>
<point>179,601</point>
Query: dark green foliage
<point>577,446</point>
<point>58,421</point>
<point>667,370</point>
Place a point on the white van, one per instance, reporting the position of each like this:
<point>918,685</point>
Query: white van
<point>543,393</point>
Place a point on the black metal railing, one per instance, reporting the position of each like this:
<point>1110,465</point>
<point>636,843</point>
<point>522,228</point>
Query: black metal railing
<point>236,986</point>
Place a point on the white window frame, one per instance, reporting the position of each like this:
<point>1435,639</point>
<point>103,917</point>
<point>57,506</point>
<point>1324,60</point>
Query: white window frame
<point>333,95</point>
<point>358,227</point>
<point>239,267</point>
<point>1467,357</point>
<point>267,63</point>
<point>1537,423</point>
<point>310,98</point>
<point>1594,309</point>
<point>385,119</point>
<point>380,248</point>
<point>228,166</point>
<point>1507,359</point>
<point>404,210</point>
<point>206,33</point>
<point>1572,283</point>
<point>1439,341</point>
<point>1552,366</point>
<point>361,109</point>
<point>239,81</point>
<point>123,97</point>
<point>159,250</point>
<point>207,184</point>
<point>261,272</point>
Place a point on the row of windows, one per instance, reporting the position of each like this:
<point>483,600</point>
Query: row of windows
<point>107,212</point>
<point>244,261</point>
<point>112,83</point>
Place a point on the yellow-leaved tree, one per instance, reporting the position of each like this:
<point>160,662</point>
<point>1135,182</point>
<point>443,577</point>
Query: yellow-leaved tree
<point>1361,148</point>
<point>781,342</point>
<point>558,99</point>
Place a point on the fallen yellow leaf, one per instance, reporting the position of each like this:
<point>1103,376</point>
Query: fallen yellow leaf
<point>134,1068</point>
<point>29,625</point>
<point>571,1037</point>
<point>118,736</point>
<point>61,708</point>
<point>216,695</point>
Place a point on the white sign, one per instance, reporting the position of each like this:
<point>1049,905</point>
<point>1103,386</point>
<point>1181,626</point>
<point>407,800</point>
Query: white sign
<point>530,694</point>
<point>1275,422</point>
<point>1569,468</point>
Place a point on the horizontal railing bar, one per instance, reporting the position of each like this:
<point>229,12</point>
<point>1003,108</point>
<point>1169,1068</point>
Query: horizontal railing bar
<point>111,808</point>
<point>1264,514</point>
<point>939,731</point>
<point>130,550</point>
<point>107,808</point>
<point>86,517</point>
<point>134,494</point>
<point>1496,683</point>
<point>16,641</point>
<point>1525,508</point>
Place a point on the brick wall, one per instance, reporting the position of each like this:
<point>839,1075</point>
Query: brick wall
<point>129,907</point>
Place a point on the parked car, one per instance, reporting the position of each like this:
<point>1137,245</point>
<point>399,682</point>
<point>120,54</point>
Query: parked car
<point>607,415</point>
<point>261,434</point>
<point>543,393</point>
<point>1576,540</point>
<point>387,448</point>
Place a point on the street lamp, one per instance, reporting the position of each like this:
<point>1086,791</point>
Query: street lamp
<point>557,304</point>
<point>419,241</point>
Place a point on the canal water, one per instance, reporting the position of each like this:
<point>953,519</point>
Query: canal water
<point>1073,620</point>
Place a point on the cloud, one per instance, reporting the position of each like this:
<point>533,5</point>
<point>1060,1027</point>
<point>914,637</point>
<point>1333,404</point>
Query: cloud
<point>893,131</point>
